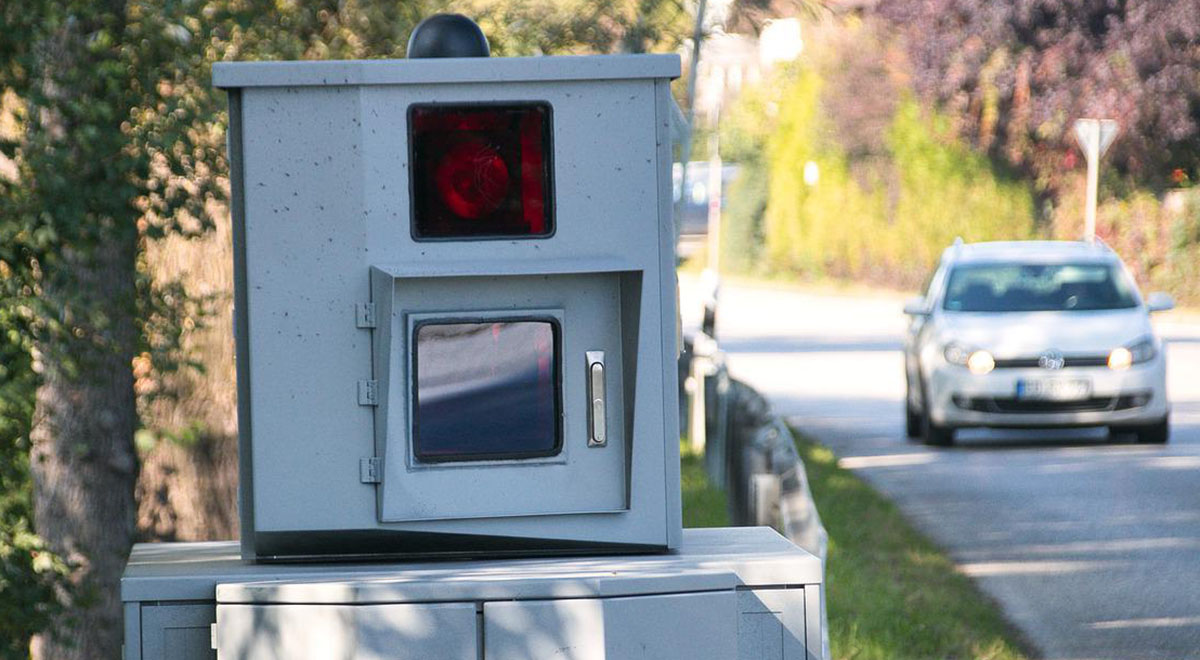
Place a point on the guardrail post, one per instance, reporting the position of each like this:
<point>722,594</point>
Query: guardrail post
<point>697,389</point>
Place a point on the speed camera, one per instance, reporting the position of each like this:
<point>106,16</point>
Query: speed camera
<point>455,305</point>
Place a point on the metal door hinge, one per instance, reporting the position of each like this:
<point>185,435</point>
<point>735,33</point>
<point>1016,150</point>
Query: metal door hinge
<point>370,470</point>
<point>364,315</point>
<point>368,392</point>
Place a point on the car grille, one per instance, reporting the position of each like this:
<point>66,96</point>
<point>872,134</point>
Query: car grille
<point>1033,406</point>
<point>1068,361</point>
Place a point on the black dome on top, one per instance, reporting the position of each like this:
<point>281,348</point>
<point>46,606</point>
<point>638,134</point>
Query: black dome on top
<point>447,35</point>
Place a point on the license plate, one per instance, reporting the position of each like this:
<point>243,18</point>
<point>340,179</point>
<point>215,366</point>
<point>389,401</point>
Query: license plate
<point>1057,389</point>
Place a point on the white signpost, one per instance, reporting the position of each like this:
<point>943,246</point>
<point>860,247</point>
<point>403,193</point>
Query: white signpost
<point>1095,136</point>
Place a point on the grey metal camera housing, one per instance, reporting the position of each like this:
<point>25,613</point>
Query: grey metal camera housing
<point>334,281</point>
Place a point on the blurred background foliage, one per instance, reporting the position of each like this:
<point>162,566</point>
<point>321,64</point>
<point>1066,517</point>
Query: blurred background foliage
<point>918,122</point>
<point>1015,75</point>
<point>845,174</point>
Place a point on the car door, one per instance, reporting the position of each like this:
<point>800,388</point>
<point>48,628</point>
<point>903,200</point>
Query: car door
<point>919,332</point>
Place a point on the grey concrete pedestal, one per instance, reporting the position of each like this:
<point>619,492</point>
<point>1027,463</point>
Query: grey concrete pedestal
<point>742,593</point>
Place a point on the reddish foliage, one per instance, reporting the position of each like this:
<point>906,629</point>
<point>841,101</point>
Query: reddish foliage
<point>1019,71</point>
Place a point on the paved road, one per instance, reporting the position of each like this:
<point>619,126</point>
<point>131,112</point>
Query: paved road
<point>1092,547</point>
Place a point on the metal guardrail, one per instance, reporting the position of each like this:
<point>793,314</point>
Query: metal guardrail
<point>750,453</point>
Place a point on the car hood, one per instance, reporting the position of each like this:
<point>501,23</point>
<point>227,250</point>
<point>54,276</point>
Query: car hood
<point>1025,334</point>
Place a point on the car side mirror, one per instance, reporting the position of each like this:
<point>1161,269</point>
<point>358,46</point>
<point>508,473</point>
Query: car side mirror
<point>1159,302</point>
<point>916,307</point>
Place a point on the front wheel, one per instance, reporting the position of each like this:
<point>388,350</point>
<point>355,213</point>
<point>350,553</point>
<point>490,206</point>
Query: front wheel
<point>1150,434</point>
<point>931,433</point>
<point>912,422</point>
<point>912,418</point>
<point>937,436</point>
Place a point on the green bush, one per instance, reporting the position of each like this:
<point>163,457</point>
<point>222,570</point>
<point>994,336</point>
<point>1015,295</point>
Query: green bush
<point>744,136</point>
<point>742,224</point>
<point>1180,272</point>
<point>886,216</point>
<point>1159,239</point>
<point>894,185</point>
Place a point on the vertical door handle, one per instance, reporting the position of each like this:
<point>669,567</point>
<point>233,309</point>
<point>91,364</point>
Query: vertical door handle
<point>597,436</point>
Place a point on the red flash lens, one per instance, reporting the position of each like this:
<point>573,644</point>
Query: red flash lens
<point>480,170</point>
<point>472,180</point>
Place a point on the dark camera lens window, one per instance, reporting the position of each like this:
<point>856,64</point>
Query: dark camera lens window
<point>480,170</point>
<point>486,390</point>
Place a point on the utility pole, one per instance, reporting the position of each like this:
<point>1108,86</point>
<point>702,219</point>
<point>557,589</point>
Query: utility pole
<point>1095,136</point>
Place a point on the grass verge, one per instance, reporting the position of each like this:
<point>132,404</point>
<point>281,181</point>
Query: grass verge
<point>704,504</point>
<point>892,593</point>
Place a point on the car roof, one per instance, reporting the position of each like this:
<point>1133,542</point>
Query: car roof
<point>1030,252</point>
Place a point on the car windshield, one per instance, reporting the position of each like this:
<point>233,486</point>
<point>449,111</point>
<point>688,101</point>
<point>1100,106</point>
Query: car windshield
<point>1017,287</point>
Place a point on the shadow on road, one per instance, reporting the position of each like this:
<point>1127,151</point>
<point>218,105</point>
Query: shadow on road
<point>1040,440</point>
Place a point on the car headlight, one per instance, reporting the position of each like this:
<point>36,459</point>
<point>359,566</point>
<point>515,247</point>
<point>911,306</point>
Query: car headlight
<point>981,362</point>
<point>1142,350</point>
<point>978,361</point>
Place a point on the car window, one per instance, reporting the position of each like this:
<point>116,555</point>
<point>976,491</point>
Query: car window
<point>1017,287</point>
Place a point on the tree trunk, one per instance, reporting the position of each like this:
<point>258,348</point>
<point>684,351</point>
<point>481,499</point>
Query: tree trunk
<point>83,460</point>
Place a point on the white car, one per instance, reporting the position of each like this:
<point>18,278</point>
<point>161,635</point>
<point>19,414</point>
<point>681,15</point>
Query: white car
<point>1034,334</point>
